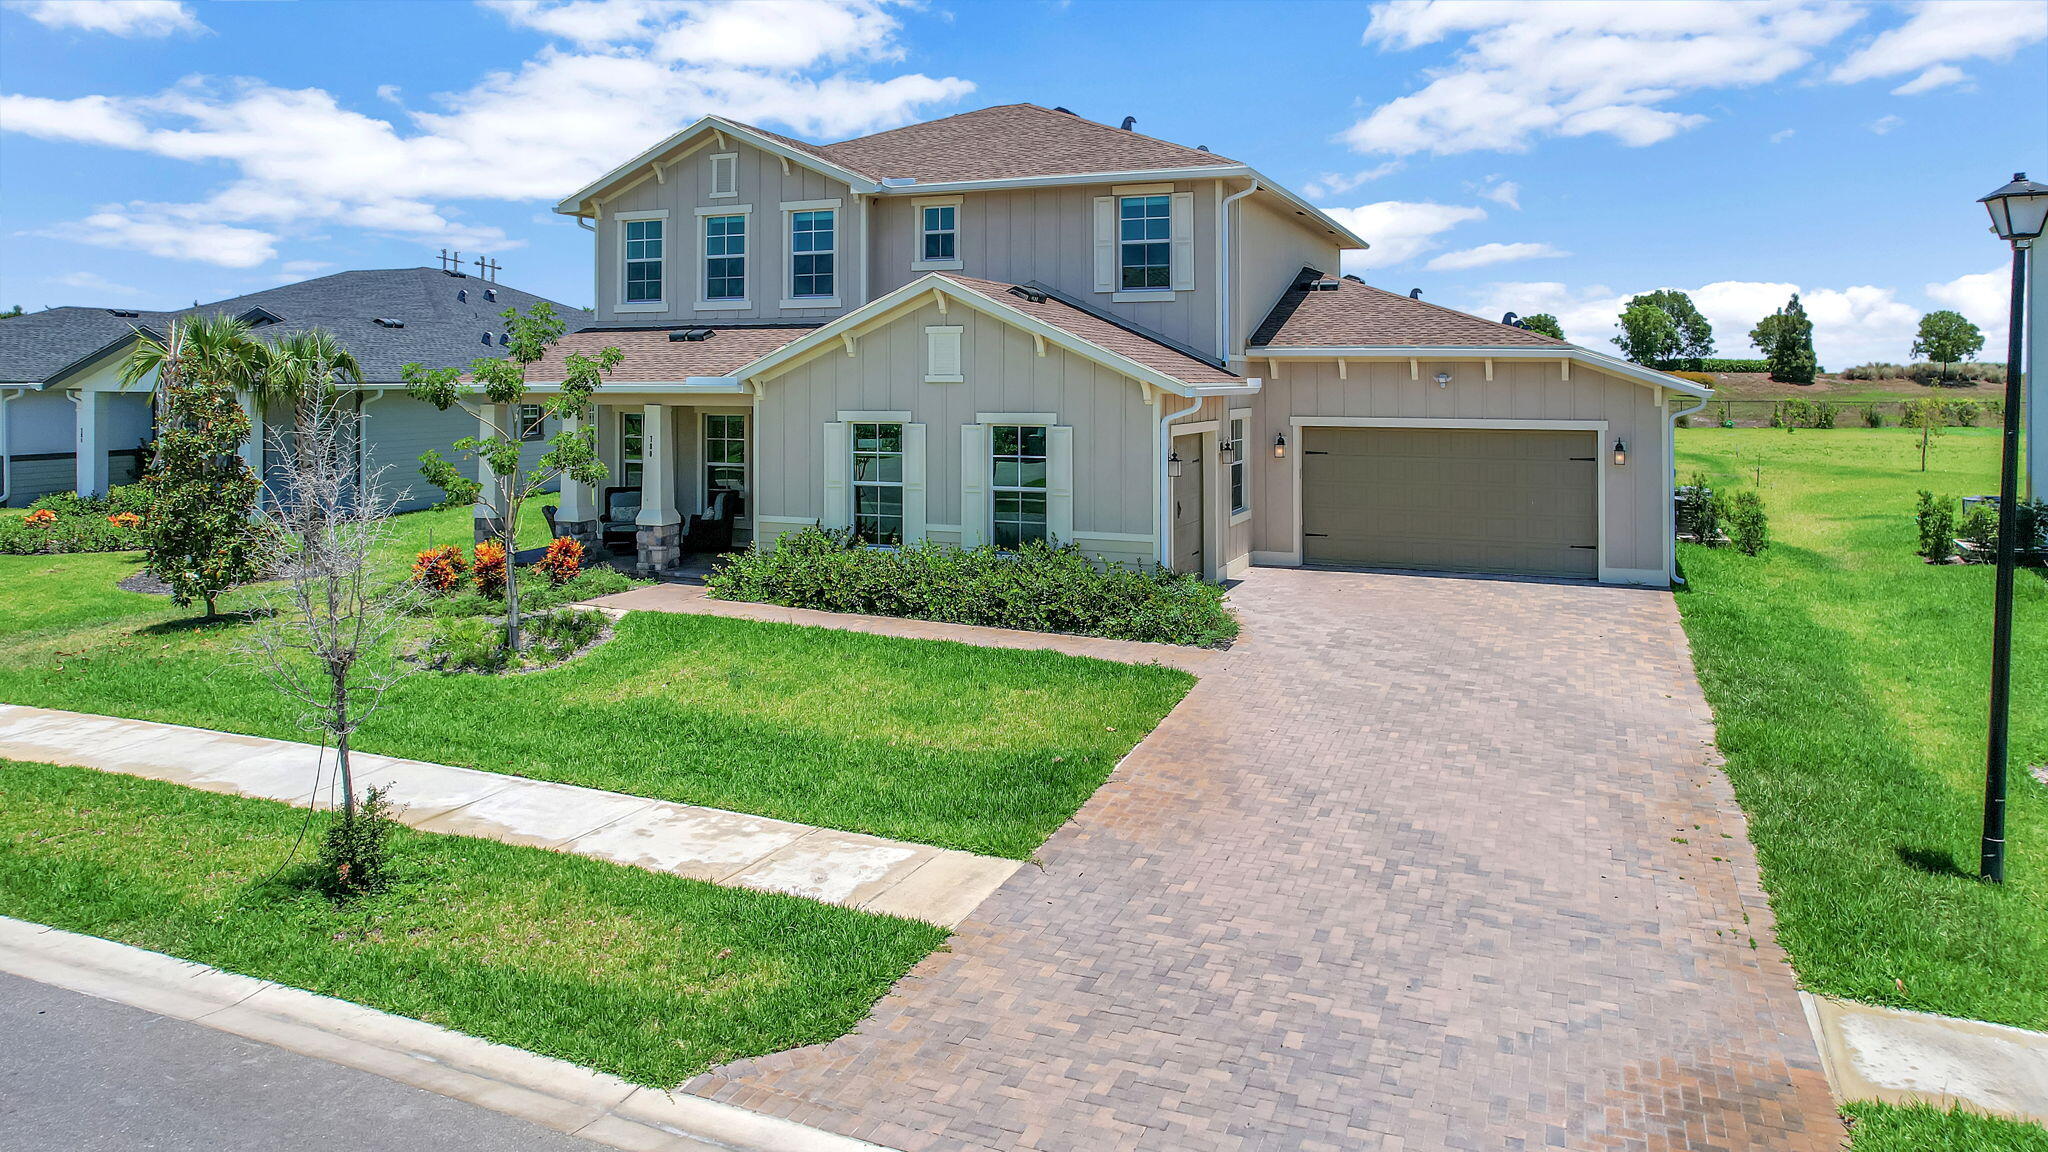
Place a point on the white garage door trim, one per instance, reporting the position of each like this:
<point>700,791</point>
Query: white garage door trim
<point>1600,445</point>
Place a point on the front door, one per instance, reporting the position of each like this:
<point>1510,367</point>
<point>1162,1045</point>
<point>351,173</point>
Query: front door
<point>1187,513</point>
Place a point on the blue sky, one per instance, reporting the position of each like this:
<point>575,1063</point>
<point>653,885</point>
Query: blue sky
<point>1501,156</point>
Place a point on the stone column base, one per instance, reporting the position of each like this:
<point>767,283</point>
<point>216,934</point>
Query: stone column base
<point>488,527</point>
<point>584,532</point>
<point>660,547</point>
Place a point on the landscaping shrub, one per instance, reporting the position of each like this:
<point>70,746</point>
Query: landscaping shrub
<point>1712,364</point>
<point>1699,513</point>
<point>1039,587</point>
<point>1748,527</point>
<point>1824,414</point>
<point>1873,416</point>
<point>1963,413</point>
<point>557,635</point>
<point>490,568</point>
<point>129,498</point>
<point>1796,414</point>
<point>476,643</point>
<point>562,561</point>
<point>1875,370</point>
<point>540,596</point>
<point>48,530</point>
<point>440,568</point>
<point>1706,378</point>
<point>1727,415</point>
<point>355,855</point>
<point>1979,529</point>
<point>1936,519</point>
<point>465,644</point>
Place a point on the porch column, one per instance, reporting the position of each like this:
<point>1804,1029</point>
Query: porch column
<point>91,457</point>
<point>483,514</point>
<point>576,516</point>
<point>660,536</point>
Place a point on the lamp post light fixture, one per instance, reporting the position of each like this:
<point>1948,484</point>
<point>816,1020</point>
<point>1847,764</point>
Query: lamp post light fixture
<point>1279,446</point>
<point>2018,212</point>
<point>1620,452</point>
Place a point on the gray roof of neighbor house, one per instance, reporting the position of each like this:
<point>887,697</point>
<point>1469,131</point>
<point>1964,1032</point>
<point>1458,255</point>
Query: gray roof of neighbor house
<point>440,326</point>
<point>1353,314</point>
<point>1010,141</point>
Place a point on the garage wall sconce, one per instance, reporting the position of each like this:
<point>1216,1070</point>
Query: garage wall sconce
<point>1173,463</point>
<point>1279,446</point>
<point>1443,379</point>
<point>1620,452</point>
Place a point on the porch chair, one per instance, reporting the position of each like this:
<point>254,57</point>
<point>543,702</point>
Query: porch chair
<point>621,520</point>
<point>711,529</point>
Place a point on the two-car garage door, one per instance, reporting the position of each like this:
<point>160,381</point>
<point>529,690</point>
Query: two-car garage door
<point>1452,499</point>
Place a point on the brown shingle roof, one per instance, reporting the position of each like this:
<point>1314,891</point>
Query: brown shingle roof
<point>1359,315</point>
<point>1102,332</point>
<point>1008,141</point>
<point>652,357</point>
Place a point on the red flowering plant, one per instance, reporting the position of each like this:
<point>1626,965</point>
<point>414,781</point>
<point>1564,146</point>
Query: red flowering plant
<point>562,561</point>
<point>490,568</point>
<point>440,568</point>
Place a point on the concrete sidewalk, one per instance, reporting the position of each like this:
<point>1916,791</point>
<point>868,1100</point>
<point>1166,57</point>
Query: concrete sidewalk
<point>1902,1057</point>
<point>915,881</point>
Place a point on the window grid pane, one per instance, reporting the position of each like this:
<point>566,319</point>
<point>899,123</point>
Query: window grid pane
<point>878,483</point>
<point>939,232</point>
<point>643,240</point>
<point>1145,241</point>
<point>1237,465</point>
<point>725,252</point>
<point>629,449</point>
<point>810,246</point>
<point>1018,483</point>
<point>725,459</point>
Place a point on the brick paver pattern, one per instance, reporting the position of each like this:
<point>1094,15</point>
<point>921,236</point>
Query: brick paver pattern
<point>1424,863</point>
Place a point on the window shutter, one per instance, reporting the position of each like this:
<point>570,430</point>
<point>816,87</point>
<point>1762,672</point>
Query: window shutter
<point>942,354</point>
<point>914,516</point>
<point>1105,243</point>
<point>1183,241</point>
<point>838,463</point>
<point>974,477</point>
<point>1059,483</point>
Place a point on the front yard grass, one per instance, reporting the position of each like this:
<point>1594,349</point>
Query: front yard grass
<point>647,976</point>
<point>1848,681</point>
<point>1919,1128</point>
<point>978,749</point>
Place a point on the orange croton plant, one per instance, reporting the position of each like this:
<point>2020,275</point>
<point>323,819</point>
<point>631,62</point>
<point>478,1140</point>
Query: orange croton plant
<point>42,518</point>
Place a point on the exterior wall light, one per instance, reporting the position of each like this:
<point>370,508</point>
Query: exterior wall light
<point>1620,452</point>
<point>1279,446</point>
<point>1443,379</point>
<point>1173,465</point>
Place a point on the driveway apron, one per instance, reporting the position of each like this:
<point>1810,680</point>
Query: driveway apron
<point>1424,863</point>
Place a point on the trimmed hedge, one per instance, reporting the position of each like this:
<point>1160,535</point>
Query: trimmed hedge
<point>1038,588</point>
<point>80,524</point>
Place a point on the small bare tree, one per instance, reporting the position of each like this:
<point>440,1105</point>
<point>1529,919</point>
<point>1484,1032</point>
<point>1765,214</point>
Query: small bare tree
<point>323,632</point>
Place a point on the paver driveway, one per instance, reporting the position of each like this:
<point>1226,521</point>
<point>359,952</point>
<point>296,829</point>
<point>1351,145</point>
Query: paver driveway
<point>1426,863</point>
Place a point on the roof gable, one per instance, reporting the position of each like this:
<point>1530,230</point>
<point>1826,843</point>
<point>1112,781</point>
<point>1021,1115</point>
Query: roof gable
<point>1011,141</point>
<point>1350,313</point>
<point>635,170</point>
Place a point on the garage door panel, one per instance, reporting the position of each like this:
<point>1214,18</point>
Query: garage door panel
<point>1456,499</point>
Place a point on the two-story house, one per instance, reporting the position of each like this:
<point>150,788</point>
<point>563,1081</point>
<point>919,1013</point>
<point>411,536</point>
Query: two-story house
<point>1016,323</point>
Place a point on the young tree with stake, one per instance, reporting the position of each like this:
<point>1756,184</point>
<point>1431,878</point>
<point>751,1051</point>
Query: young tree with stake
<point>499,386</point>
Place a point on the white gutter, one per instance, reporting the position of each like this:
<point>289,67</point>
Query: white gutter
<point>7,443</point>
<point>1164,510</point>
<point>1671,504</point>
<point>1573,353</point>
<point>1223,341</point>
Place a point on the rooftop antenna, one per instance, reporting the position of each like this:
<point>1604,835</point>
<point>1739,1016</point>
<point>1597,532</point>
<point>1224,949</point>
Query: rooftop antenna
<point>488,269</point>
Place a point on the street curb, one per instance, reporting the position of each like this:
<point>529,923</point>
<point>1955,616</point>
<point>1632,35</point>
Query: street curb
<point>553,1093</point>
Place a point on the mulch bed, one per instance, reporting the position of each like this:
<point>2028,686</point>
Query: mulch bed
<point>144,583</point>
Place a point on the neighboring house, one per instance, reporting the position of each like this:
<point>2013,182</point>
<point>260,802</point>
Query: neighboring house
<point>1017,323</point>
<point>67,423</point>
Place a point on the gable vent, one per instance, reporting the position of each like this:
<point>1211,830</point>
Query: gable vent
<point>490,293</point>
<point>1031,294</point>
<point>388,322</point>
<point>1322,286</point>
<point>689,335</point>
<point>504,339</point>
<point>462,295</point>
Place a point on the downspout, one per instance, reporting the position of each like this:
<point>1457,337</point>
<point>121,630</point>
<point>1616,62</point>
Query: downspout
<point>1165,509</point>
<point>1223,341</point>
<point>1670,504</point>
<point>867,245</point>
<point>7,444</point>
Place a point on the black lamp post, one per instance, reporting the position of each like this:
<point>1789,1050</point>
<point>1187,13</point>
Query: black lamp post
<point>2018,212</point>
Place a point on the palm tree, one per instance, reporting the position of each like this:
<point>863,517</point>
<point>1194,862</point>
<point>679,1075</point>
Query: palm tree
<point>215,348</point>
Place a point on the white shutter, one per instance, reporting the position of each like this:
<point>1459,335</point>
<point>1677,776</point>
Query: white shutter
<point>942,354</point>
<point>1183,241</point>
<point>1059,483</point>
<point>1105,243</point>
<point>838,463</point>
<point>914,516</point>
<point>974,477</point>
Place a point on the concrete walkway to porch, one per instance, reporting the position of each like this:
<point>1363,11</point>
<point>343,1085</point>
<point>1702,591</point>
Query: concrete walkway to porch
<point>915,881</point>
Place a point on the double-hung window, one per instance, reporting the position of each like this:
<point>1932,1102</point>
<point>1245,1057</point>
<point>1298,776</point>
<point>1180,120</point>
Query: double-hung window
<point>1018,485</point>
<point>810,253</point>
<point>725,459</point>
<point>1234,449</point>
<point>939,232</point>
<point>878,483</point>
<point>725,257</point>
<point>532,422</point>
<point>1145,242</point>
<point>643,256</point>
<point>631,441</point>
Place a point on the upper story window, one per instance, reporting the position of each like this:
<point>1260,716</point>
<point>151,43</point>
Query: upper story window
<point>1233,448</point>
<point>643,260</point>
<point>811,245</point>
<point>1144,242</point>
<point>939,231</point>
<point>1018,485</point>
<point>725,175</point>
<point>878,483</point>
<point>725,257</point>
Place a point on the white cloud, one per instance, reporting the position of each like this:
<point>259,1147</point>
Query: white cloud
<point>93,282</point>
<point>1399,230</point>
<point>1501,191</point>
<point>1577,69</point>
<point>115,17</point>
<point>1486,254</point>
<point>1884,124</point>
<point>1850,325</point>
<point>1984,298</point>
<point>537,130</point>
<point>158,234</point>
<point>1938,35</point>
<point>1783,134</point>
<point>1337,183</point>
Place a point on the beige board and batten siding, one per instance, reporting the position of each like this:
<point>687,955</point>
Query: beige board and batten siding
<point>1230,535</point>
<point>1635,496</point>
<point>1113,427</point>
<point>762,188</point>
<point>1048,235</point>
<point>1272,245</point>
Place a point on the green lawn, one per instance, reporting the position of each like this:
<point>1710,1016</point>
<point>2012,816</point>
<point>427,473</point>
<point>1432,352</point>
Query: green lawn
<point>1889,1128</point>
<point>1848,681</point>
<point>647,976</point>
<point>978,749</point>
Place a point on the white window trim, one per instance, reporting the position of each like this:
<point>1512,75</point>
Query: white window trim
<point>1159,189</point>
<point>839,494</point>
<point>619,303</point>
<point>746,416</point>
<point>746,259</point>
<point>1180,244</point>
<point>917,261</point>
<point>1244,448</point>
<point>933,334</point>
<point>731,161</point>
<point>977,477</point>
<point>789,297</point>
